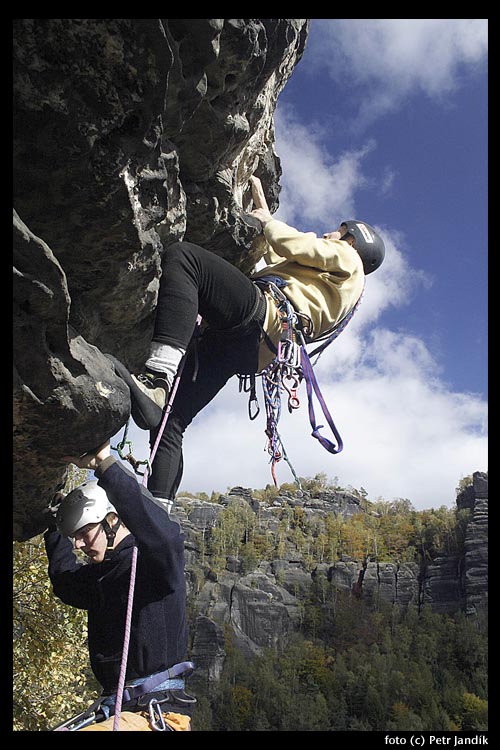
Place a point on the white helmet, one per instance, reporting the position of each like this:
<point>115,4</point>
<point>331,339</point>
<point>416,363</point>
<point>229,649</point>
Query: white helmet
<point>88,503</point>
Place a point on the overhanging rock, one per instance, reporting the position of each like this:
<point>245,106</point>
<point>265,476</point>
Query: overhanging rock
<point>129,134</point>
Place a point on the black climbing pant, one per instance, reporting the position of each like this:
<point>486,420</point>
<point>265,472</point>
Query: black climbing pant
<point>195,281</point>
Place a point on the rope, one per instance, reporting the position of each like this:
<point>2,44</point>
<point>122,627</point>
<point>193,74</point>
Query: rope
<point>133,568</point>
<point>126,643</point>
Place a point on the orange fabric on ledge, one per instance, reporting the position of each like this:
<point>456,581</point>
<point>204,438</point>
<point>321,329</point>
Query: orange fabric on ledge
<point>139,722</point>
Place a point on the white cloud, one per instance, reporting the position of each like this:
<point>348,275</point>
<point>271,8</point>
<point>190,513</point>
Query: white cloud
<point>395,283</point>
<point>315,185</point>
<point>393,286</point>
<point>406,432</point>
<point>390,59</point>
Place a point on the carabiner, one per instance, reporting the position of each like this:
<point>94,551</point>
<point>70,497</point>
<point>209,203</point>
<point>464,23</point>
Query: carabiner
<point>257,408</point>
<point>135,463</point>
<point>293,400</point>
<point>156,717</point>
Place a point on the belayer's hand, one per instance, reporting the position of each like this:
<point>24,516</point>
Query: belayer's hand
<point>92,459</point>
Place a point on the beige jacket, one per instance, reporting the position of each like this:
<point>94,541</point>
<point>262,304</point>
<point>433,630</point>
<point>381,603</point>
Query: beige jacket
<point>324,278</point>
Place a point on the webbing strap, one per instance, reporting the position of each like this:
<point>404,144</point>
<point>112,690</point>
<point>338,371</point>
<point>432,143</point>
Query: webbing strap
<point>135,691</point>
<point>312,385</point>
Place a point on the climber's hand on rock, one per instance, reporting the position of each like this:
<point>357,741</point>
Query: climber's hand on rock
<point>261,210</point>
<point>258,196</point>
<point>262,214</point>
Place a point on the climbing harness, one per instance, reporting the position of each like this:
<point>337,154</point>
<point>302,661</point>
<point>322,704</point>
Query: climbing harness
<point>291,365</point>
<point>145,696</point>
<point>158,681</point>
<point>138,693</point>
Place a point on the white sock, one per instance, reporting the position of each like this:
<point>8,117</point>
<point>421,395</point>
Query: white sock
<point>165,358</point>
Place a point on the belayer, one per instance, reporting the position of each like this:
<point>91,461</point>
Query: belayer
<point>105,519</point>
<point>323,279</point>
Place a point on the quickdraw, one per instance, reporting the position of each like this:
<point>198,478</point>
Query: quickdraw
<point>134,462</point>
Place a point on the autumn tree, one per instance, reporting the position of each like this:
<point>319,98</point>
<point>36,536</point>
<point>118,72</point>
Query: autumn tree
<point>51,675</point>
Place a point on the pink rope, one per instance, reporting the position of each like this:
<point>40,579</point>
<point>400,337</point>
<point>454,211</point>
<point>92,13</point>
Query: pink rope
<point>133,568</point>
<point>128,620</point>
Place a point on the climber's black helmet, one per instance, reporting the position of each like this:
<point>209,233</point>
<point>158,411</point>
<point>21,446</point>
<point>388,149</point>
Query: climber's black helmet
<point>368,243</point>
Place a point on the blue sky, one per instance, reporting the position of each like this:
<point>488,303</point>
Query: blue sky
<point>383,120</point>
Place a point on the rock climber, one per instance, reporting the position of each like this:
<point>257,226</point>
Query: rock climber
<point>323,278</point>
<point>105,518</point>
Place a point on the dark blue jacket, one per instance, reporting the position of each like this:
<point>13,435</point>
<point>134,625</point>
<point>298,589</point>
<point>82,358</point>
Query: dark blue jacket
<point>158,638</point>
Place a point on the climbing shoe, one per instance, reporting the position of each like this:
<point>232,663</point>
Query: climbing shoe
<point>153,386</point>
<point>148,395</point>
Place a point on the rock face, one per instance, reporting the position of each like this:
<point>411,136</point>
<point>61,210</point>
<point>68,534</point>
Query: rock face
<point>444,584</point>
<point>129,134</point>
<point>462,582</point>
<point>476,549</point>
<point>261,607</point>
<point>454,582</point>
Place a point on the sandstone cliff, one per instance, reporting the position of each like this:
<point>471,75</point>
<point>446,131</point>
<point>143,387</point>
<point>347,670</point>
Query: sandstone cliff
<point>128,134</point>
<point>262,603</point>
<point>461,581</point>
